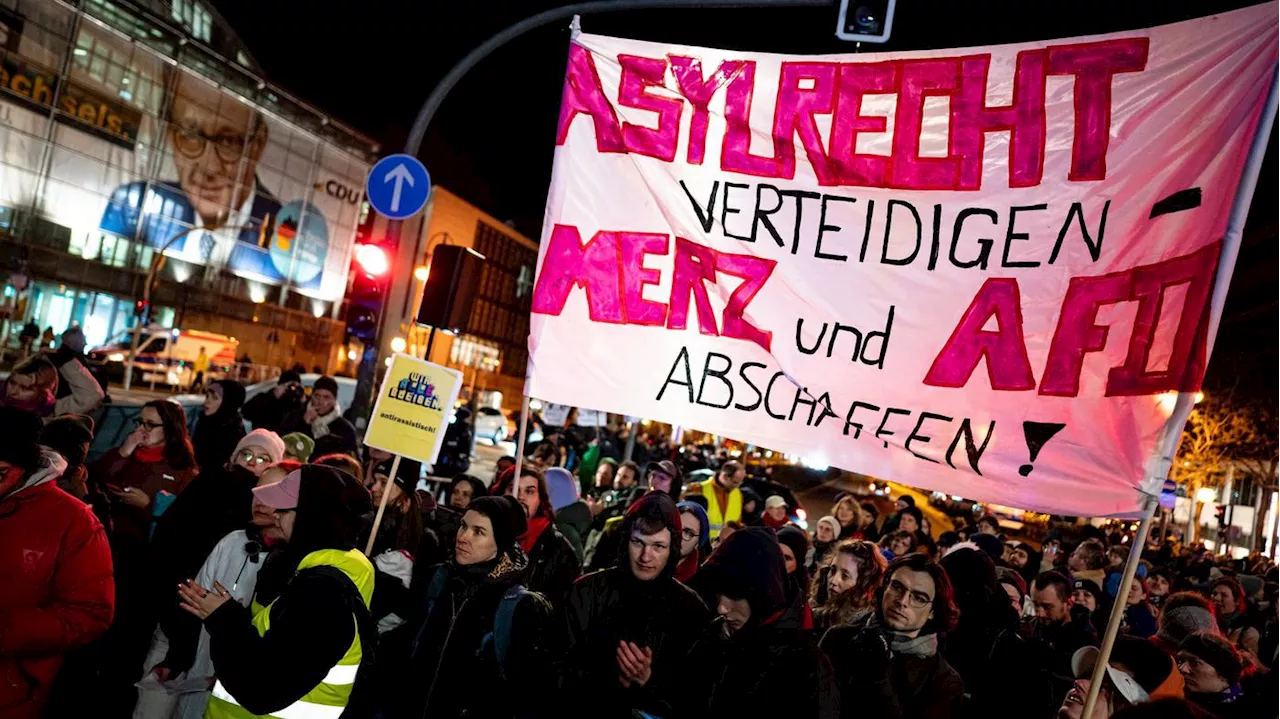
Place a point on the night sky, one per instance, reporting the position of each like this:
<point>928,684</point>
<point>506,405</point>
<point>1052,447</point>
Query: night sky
<point>492,140</point>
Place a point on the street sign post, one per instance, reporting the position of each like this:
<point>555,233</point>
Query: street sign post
<point>398,186</point>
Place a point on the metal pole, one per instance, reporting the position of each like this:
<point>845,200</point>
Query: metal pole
<point>429,108</point>
<point>631,441</point>
<point>524,424</point>
<point>1186,400</point>
<point>1118,609</point>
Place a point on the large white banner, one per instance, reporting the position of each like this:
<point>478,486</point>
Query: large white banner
<point>979,271</point>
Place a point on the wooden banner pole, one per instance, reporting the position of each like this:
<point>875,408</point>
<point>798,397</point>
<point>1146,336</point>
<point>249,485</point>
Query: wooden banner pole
<point>382,507</point>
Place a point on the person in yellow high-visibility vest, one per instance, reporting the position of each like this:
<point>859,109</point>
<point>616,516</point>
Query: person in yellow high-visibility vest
<point>724,495</point>
<point>311,632</point>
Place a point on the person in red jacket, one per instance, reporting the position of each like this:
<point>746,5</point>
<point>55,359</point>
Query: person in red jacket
<point>55,567</point>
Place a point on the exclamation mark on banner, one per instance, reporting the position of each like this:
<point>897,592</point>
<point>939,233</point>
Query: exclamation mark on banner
<point>1037,433</point>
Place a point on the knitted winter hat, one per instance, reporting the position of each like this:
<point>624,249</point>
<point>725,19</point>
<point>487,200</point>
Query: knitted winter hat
<point>69,435</point>
<point>264,439</point>
<point>298,446</point>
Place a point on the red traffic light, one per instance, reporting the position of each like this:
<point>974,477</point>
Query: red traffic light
<point>373,260</point>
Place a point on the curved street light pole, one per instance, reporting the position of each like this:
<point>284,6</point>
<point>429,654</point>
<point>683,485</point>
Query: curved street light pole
<point>429,108</point>
<point>157,259</point>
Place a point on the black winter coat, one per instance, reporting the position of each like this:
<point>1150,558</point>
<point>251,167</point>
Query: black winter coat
<point>997,665</point>
<point>765,671</point>
<point>874,682</point>
<point>553,566</point>
<point>215,438</point>
<point>452,671</point>
<point>311,629</point>
<point>611,606</point>
<point>266,411</point>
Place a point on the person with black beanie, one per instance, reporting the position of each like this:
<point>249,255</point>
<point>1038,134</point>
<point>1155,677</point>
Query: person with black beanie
<point>316,631</point>
<point>269,410</point>
<point>479,649</point>
<point>795,548</point>
<point>400,542</point>
<point>764,664</point>
<point>220,426</point>
<point>629,627</point>
<point>321,419</point>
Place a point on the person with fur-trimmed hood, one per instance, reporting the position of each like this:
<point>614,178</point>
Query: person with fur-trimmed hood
<point>754,659</point>
<point>628,628</point>
<point>58,592</point>
<point>463,660</point>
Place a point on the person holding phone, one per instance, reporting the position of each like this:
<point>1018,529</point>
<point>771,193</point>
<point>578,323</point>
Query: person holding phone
<point>142,476</point>
<point>270,409</point>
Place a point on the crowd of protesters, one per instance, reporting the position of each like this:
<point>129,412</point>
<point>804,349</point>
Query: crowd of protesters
<point>203,568</point>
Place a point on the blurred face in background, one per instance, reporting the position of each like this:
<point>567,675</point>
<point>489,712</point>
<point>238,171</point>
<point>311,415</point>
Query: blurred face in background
<point>604,476</point>
<point>528,496</point>
<point>690,529</point>
<point>1158,585</point>
<point>624,478</point>
<point>322,401</point>
<point>843,576</point>
<point>1223,600</point>
<point>460,497</point>
<point>253,458</point>
<point>149,421</point>
<point>826,533</point>
<point>1085,599</point>
<point>212,400</point>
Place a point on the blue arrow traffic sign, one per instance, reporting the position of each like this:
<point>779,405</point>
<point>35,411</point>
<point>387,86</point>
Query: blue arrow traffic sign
<point>398,186</point>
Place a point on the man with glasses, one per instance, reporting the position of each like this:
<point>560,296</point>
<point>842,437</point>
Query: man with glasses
<point>890,666</point>
<point>630,626</point>
<point>215,142</point>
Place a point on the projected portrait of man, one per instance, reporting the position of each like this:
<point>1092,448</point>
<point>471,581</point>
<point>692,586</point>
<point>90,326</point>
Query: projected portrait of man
<point>215,142</point>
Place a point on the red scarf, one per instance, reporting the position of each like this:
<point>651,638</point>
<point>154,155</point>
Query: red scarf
<point>687,568</point>
<point>149,454</point>
<point>536,526</point>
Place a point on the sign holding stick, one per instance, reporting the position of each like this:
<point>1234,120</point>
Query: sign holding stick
<point>412,410</point>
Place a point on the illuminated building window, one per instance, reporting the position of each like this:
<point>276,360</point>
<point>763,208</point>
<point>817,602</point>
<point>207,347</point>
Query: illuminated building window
<point>194,17</point>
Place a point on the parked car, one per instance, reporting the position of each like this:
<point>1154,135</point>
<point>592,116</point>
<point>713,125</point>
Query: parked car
<point>491,424</point>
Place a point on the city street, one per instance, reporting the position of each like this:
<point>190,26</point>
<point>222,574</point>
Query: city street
<point>1010,265</point>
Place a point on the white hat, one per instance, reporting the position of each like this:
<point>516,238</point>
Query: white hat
<point>774,500</point>
<point>1082,663</point>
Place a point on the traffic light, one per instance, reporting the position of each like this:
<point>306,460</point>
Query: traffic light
<point>141,309</point>
<point>369,274</point>
<point>1221,514</point>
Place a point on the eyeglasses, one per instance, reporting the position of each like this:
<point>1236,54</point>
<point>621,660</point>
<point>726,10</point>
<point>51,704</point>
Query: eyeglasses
<point>248,457</point>
<point>148,425</point>
<point>191,142</point>
<point>688,533</point>
<point>916,600</point>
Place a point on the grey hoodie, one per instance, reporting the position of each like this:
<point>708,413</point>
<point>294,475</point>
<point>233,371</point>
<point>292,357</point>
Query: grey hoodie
<point>52,465</point>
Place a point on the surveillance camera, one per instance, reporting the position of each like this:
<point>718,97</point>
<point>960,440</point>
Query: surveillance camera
<point>865,20</point>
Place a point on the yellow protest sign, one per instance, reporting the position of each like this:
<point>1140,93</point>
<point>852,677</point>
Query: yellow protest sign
<point>413,408</point>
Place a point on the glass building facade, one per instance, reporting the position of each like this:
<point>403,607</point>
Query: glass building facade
<point>141,137</point>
